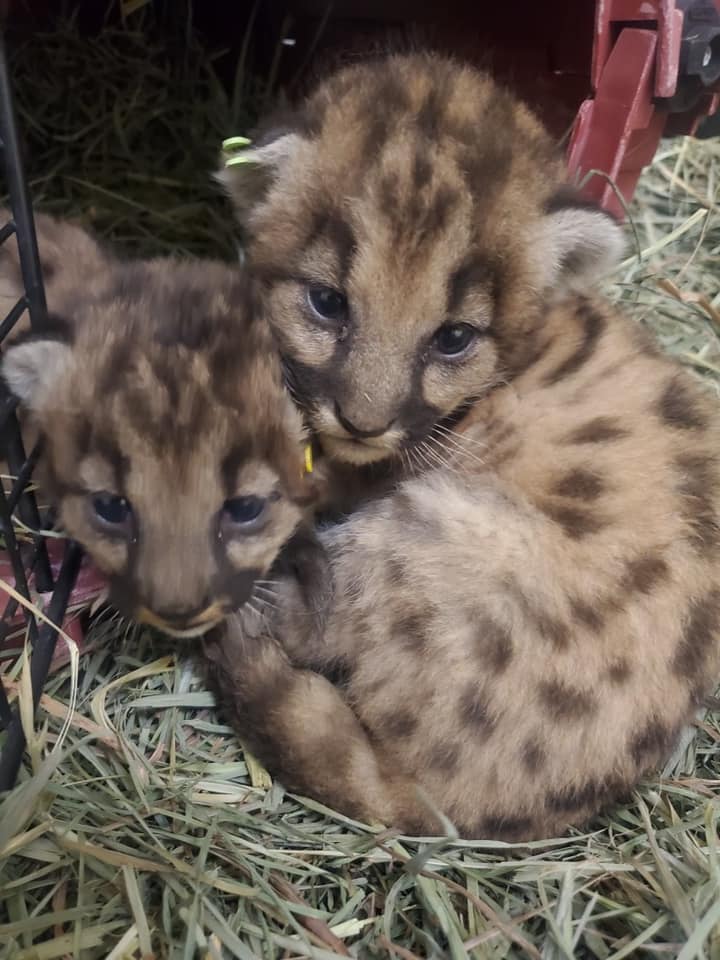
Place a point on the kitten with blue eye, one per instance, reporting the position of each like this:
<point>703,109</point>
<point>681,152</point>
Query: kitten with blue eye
<point>514,634</point>
<point>171,449</point>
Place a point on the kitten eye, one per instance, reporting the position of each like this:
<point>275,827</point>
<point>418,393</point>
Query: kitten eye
<point>244,511</point>
<point>111,509</point>
<point>453,340</point>
<point>327,303</point>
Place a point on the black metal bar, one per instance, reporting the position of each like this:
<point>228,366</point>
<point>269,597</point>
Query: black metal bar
<point>12,318</point>
<point>7,231</point>
<point>43,649</point>
<point>6,713</point>
<point>23,477</point>
<point>24,558</point>
<point>34,290</point>
<point>27,509</point>
<point>20,200</point>
<point>13,548</point>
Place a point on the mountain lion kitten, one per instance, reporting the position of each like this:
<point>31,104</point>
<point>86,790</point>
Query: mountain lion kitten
<point>172,451</point>
<point>516,634</point>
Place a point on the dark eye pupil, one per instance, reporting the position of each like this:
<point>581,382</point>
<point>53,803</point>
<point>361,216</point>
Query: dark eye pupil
<point>244,509</point>
<point>111,508</point>
<point>327,302</point>
<point>451,340</point>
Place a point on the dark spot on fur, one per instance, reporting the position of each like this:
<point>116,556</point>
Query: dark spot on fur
<point>593,795</point>
<point>552,629</point>
<point>397,725</point>
<point>411,632</point>
<point>474,709</point>
<point>474,273</point>
<point>500,827</point>
<point>580,484</point>
<point>565,702</point>
<point>407,514</point>
<point>230,466</point>
<point>499,431</point>
<point>576,524</point>
<point>593,326</point>
<point>699,636</point>
<point>598,430</point>
<point>388,194</point>
<point>500,455</point>
<point>644,573</point>
<point>437,215</point>
<point>109,449</point>
<point>53,327</point>
<point>422,171</point>
<point>549,627</point>
<point>650,743</point>
<point>697,488</point>
<point>396,570</point>
<point>338,671</point>
<point>590,616</point>
<point>533,756</point>
<point>493,644</point>
<point>430,113</point>
<point>569,198</point>
<point>335,229</point>
<point>444,757</point>
<point>619,671</point>
<point>678,408</point>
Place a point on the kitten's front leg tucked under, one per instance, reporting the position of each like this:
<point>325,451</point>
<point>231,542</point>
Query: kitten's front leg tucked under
<point>300,727</point>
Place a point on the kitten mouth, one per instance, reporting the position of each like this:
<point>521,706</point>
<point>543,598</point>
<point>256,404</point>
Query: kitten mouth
<point>195,626</point>
<point>354,450</point>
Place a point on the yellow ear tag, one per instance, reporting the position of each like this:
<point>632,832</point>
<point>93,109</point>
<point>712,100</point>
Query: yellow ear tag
<point>308,458</point>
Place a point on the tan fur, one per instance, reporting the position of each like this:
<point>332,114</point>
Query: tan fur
<point>155,383</point>
<point>426,196</point>
<point>515,635</point>
<point>521,632</point>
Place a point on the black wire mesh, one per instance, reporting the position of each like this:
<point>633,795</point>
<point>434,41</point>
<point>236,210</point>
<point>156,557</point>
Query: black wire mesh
<point>28,558</point>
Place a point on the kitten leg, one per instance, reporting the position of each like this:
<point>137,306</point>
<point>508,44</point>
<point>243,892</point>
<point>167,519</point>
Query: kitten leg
<point>299,726</point>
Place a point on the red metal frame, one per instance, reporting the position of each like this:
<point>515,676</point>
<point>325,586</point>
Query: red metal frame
<point>636,57</point>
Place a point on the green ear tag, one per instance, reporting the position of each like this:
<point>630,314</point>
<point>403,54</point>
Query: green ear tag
<point>235,143</point>
<point>239,159</point>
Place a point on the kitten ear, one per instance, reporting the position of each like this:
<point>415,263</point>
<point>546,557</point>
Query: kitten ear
<point>32,369</point>
<point>578,243</point>
<point>247,174</point>
<point>69,255</point>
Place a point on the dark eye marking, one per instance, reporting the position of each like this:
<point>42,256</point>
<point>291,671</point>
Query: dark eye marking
<point>452,340</point>
<point>327,304</point>
<point>113,513</point>
<point>473,273</point>
<point>242,515</point>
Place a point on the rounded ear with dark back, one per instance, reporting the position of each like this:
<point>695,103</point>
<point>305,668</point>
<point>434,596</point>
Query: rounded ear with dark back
<point>32,369</point>
<point>69,258</point>
<point>246,176</point>
<point>578,243</point>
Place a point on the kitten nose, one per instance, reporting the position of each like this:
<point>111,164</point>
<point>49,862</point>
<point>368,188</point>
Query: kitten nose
<point>356,431</point>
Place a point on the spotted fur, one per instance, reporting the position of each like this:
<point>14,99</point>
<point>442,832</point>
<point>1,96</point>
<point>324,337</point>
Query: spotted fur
<point>427,197</point>
<point>522,670</point>
<point>154,383</point>
<point>525,625</point>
